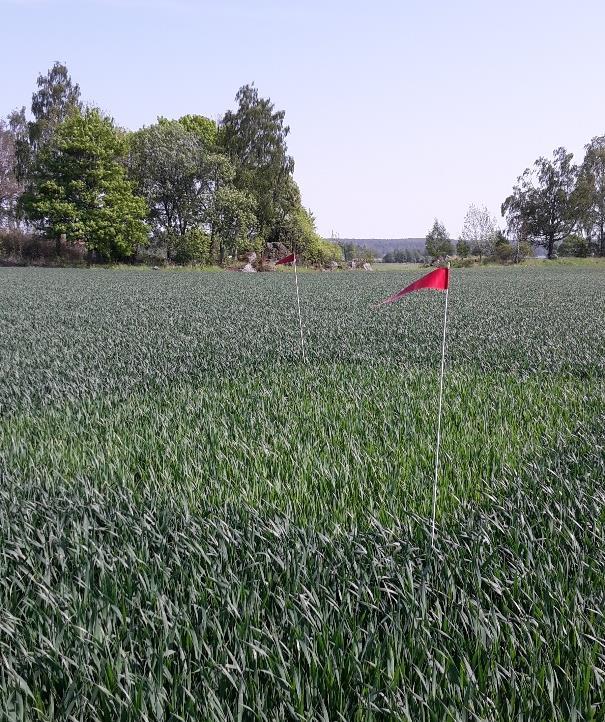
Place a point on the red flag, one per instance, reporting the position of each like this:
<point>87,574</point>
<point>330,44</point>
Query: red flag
<point>437,279</point>
<point>286,259</point>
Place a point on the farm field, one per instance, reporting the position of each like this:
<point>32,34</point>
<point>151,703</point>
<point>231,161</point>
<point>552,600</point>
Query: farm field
<point>195,525</point>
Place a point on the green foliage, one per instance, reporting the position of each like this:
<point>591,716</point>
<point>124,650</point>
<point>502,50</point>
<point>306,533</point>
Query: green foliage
<point>194,525</point>
<point>503,250</point>
<point>298,232</point>
<point>524,250</point>
<point>233,223</point>
<point>573,245</point>
<point>56,98</point>
<point>192,247</point>
<point>254,138</point>
<point>204,128</point>
<point>438,242</point>
<point>351,251</point>
<point>590,193</point>
<point>463,248</point>
<point>403,255</point>
<point>190,191</point>
<point>79,188</point>
<point>545,204</point>
<point>172,172</point>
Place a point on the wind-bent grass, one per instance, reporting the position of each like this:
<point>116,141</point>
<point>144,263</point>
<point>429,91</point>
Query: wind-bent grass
<point>195,525</point>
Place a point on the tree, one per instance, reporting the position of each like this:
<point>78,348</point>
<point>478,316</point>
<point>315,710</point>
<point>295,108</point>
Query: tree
<point>179,177</point>
<point>591,192</point>
<point>254,138</point>
<point>233,222</point>
<point>204,128</point>
<point>438,241</point>
<point>56,98</point>
<point>10,188</point>
<point>348,251</point>
<point>479,231</point>
<point>503,250</point>
<point>545,201</point>
<point>298,232</point>
<point>463,248</point>
<point>78,187</point>
<point>574,245</point>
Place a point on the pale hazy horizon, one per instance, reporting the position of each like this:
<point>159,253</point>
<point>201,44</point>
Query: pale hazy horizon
<point>400,112</point>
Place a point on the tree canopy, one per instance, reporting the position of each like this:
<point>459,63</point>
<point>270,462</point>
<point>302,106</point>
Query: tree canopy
<point>438,242</point>
<point>254,137</point>
<point>545,203</point>
<point>204,191</point>
<point>78,187</point>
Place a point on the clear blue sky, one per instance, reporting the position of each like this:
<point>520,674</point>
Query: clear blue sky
<point>400,111</point>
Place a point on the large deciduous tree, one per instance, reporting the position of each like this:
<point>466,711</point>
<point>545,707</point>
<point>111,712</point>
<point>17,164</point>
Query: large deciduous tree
<point>233,222</point>
<point>254,137</point>
<point>545,202</point>
<point>438,242</point>
<point>78,188</point>
<point>479,231</point>
<point>56,98</point>
<point>170,167</point>
<point>189,188</point>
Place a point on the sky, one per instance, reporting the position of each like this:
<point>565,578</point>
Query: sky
<point>400,111</point>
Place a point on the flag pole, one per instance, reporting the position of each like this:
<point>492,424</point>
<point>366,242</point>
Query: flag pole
<point>302,337</point>
<point>447,290</point>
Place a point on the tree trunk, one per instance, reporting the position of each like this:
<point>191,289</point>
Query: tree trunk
<point>551,247</point>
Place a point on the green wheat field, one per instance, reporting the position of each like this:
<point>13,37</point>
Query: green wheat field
<point>195,525</point>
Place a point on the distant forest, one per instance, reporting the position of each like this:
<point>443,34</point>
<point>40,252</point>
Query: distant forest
<point>381,246</point>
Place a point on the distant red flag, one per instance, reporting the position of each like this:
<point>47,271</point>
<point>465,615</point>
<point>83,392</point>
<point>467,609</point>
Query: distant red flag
<point>437,280</point>
<point>286,259</point>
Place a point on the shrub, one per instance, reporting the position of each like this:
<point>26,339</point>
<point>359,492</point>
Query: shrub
<point>193,247</point>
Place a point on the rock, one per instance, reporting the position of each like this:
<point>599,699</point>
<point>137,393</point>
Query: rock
<point>248,268</point>
<point>367,267</point>
<point>277,250</point>
<point>251,257</point>
<point>156,268</point>
<point>333,265</point>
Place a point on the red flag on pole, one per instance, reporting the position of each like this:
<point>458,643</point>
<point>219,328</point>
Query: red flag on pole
<point>437,280</point>
<point>286,259</point>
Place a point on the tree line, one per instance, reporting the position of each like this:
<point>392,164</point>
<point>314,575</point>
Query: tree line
<point>555,205</point>
<point>187,189</point>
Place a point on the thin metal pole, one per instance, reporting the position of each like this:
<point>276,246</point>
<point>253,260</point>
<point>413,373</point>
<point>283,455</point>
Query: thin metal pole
<point>302,337</point>
<point>439,419</point>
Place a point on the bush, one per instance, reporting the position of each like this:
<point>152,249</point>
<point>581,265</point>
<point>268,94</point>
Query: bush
<point>503,251</point>
<point>463,263</point>
<point>573,245</point>
<point>12,242</point>
<point>18,247</point>
<point>193,247</point>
